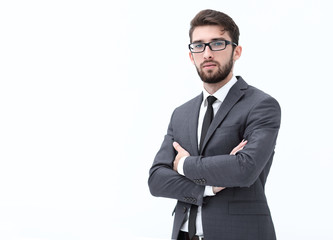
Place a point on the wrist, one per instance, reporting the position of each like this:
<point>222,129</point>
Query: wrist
<point>180,166</point>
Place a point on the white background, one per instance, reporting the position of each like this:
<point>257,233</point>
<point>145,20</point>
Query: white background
<point>87,90</point>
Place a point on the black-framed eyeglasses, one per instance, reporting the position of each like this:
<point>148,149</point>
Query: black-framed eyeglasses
<point>214,46</point>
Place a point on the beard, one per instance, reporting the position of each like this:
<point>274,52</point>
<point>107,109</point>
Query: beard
<point>220,75</point>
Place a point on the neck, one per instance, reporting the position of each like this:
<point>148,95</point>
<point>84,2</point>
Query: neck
<point>211,88</point>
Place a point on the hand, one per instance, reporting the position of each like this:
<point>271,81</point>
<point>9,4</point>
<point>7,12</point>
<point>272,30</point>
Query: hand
<point>239,147</point>
<point>181,153</point>
<point>217,189</point>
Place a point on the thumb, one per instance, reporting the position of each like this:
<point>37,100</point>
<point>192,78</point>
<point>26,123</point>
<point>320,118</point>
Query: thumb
<point>177,147</point>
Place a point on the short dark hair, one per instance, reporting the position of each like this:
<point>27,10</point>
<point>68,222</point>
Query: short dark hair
<point>212,17</point>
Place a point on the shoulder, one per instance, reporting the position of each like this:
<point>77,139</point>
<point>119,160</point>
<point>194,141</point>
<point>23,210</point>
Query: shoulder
<point>190,105</point>
<point>254,101</point>
<point>262,108</point>
<point>187,110</point>
<point>253,95</point>
<point>258,95</point>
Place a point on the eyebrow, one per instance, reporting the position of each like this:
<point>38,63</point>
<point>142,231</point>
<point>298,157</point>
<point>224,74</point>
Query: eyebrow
<point>212,40</point>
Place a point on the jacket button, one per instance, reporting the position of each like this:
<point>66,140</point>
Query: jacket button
<point>184,209</point>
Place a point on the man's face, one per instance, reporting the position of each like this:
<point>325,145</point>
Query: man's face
<point>212,66</point>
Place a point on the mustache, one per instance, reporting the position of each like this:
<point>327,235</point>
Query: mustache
<point>208,62</point>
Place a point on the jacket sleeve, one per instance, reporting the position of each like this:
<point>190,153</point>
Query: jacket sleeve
<point>165,182</point>
<point>243,169</point>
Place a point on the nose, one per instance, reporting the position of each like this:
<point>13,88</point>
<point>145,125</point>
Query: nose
<point>208,54</point>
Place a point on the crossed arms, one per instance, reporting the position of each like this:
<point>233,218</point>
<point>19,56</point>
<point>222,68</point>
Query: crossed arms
<point>181,152</point>
<point>240,168</point>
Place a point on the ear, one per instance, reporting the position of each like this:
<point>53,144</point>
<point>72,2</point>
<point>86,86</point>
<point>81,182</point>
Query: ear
<point>191,57</point>
<point>237,52</point>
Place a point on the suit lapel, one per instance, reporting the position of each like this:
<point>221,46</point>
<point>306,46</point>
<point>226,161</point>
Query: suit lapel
<point>235,93</point>
<point>193,124</point>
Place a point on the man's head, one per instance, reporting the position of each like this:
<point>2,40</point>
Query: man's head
<point>214,46</point>
<point>212,17</point>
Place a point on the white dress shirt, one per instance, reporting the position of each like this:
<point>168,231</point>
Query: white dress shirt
<point>220,95</point>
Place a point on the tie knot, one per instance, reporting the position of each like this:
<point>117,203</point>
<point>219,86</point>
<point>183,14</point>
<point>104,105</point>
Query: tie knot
<point>211,100</point>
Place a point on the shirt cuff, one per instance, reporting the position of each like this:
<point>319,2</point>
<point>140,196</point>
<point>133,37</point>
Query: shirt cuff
<point>180,167</point>
<point>208,191</point>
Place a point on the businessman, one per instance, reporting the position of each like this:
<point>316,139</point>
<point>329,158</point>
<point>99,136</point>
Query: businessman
<point>219,146</point>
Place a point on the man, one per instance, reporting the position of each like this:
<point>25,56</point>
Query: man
<point>219,146</point>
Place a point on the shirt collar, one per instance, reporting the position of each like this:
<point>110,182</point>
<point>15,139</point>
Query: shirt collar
<point>222,92</point>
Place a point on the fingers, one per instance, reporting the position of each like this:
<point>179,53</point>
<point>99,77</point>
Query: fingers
<point>239,147</point>
<point>177,147</point>
<point>217,189</point>
<point>242,144</point>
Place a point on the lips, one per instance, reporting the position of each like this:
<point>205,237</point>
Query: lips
<point>208,65</point>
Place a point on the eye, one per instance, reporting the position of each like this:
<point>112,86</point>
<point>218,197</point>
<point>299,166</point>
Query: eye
<point>198,45</point>
<point>218,43</point>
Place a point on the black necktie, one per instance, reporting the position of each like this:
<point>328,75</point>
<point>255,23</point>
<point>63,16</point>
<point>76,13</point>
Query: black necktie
<point>207,119</point>
<point>209,115</point>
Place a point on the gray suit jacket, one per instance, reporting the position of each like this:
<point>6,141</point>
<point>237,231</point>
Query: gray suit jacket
<point>240,211</point>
